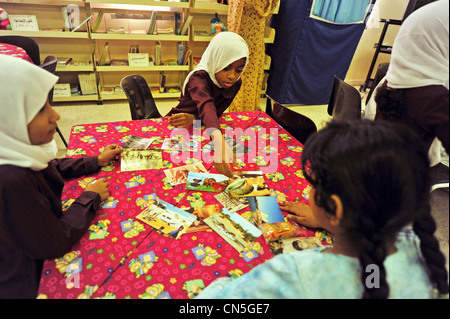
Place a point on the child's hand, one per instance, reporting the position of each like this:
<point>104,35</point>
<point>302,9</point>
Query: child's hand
<point>100,187</point>
<point>108,154</point>
<point>224,168</point>
<point>181,120</point>
<point>300,213</point>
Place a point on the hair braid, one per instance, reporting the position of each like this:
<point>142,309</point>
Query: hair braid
<point>424,226</point>
<point>373,253</point>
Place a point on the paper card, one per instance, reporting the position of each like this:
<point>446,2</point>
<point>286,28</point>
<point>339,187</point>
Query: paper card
<point>206,182</point>
<point>201,213</point>
<point>248,183</point>
<point>167,218</point>
<point>236,230</point>
<point>61,90</point>
<point>134,160</point>
<point>178,143</point>
<point>232,204</point>
<point>178,175</point>
<point>138,59</point>
<point>23,22</point>
<point>238,148</point>
<point>137,142</point>
<point>265,209</point>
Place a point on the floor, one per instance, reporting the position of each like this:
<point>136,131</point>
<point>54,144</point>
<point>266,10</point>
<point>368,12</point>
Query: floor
<point>119,111</point>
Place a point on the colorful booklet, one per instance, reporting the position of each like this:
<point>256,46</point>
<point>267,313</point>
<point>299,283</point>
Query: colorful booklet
<point>178,175</point>
<point>167,218</point>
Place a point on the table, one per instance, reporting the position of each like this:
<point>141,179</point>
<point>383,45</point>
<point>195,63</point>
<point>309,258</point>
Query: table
<point>122,257</point>
<point>12,50</point>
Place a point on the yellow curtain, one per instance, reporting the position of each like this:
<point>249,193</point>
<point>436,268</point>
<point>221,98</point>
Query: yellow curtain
<point>248,19</point>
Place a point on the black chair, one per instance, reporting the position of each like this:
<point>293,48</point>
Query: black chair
<point>345,101</point>
<point>49,64</point>
<point>298,125</point>
<point>28,44</point>
<point>142,104</point>
<point>381,72</point>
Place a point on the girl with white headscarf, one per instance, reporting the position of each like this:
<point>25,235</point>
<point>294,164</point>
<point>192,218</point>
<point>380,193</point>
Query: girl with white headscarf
<point>209,89</point>
<point>32,224</point>
<point>415,90</point>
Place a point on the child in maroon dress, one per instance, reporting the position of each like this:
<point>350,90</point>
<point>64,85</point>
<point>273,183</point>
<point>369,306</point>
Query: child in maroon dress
<point>32,224</point>
<point>209,90</point>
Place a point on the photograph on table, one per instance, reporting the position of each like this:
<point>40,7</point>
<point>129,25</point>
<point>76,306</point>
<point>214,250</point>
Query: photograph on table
<point>265,209</point>
<point>293,244</point>
<point>231,204</point>
<point>179,143</point>
<point>178,175</point>
<point>135,160</point>
<point>137,142</point>
<point>206,182</point>
<point>248,183</point>
<point>167,218</point>
<point>236,230</point>
<point>201,213</point>
<point>238,148</point>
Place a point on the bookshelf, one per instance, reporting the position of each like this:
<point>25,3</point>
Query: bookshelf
<point>132,18</point>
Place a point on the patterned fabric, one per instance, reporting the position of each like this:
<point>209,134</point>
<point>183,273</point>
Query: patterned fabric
<point>250,26</point>
<point>12,50</point>
<point>121,257</point>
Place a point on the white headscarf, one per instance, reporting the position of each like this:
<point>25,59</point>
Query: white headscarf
<point>24,89</point>
<point>224,49</point>
<point>420,53</point>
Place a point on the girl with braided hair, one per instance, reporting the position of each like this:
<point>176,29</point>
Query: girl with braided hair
<point>370,181</point>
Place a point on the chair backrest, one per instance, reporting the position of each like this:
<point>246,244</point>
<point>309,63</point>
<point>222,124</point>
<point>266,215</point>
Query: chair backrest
<point>140,98</point>
<point>298,125</point>
<point>381,72</point>
<point>49,64</point>
<point>28,44</point>
<point>345,101</point>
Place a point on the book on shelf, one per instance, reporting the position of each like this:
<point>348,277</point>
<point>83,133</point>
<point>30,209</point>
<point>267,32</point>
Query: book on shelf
<point>177,22</point>
<point>134,48</point>
<point>187,57</point>
<point>81,63</point>
<point>118,30</point>
<point>97,21</point>
<point>162,82</point>
<point>180,53</point>
<point>155,89</point>
<point>88,83</point>
<point>138,32</point>
<point>151,27</point>
<point>185,28</point>
<point>63,61</point>
<point>119,62</point>
<point>108,90</point>
<point>104,54</point>
<point>169,62</point>
<point>165,30</point>
<point>172,89</point>
<point>82,23</point>
<point>158,53</point>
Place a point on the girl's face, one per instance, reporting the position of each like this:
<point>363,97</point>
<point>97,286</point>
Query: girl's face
<point>43,126</point>
<point>228,76</point>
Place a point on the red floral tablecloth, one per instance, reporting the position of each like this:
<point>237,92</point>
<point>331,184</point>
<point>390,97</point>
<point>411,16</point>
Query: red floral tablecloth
<point>122,257</point>
<point>12,50</point>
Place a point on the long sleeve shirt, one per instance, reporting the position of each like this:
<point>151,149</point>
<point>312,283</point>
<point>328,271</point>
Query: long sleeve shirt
<point>311,274</point>
<point>32,224</point>
<point>205,100</point>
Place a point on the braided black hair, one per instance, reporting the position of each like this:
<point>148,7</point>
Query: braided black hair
<point>380,171</point>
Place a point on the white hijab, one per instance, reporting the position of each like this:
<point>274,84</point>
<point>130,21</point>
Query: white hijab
<point>420,53</point>
<point>24,89</point>
<point>224,49</point>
